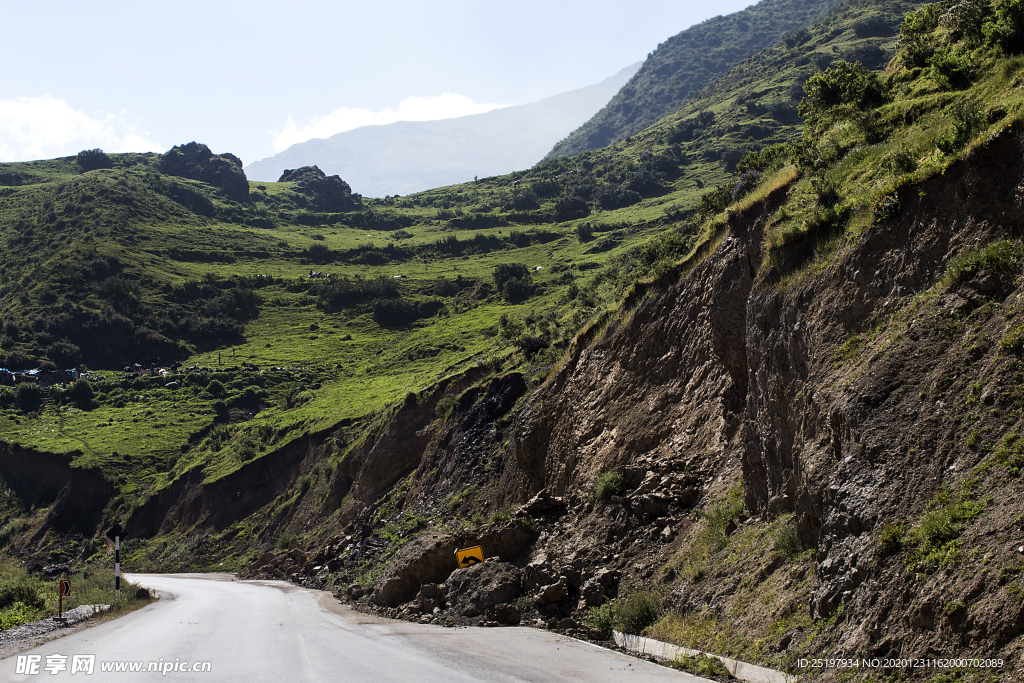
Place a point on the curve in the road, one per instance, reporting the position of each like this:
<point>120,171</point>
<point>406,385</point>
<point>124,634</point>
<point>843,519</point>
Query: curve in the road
<point>272,632</point>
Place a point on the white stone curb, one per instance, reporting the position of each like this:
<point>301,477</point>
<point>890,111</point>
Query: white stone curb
<point>741,670</point>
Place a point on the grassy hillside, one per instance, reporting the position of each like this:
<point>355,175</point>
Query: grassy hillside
<point>123,264</point>
<point>691,60</point>
<point>508,273</point>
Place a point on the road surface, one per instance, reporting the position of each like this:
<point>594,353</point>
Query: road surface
<point>274,632</point>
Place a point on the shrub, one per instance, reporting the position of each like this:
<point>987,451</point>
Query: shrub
<point>770,157</point>
<point>914,44</point>
<point>514,281</point>
<point>585,232</point>
<point>1007,31</point>
<point>843,84</point>
<point>890,540</point>
<point>285,539</point>
<point>787,543</point>
<point>611,197</point>
<point>601,618</point>
<point>445,407</point>
<point>29,397</point>
<point>715,201</point>
<point>445,287</point>
<point>607,485</point>
<point>64,354</point>
<point>962,21</point>
<point>393,312</point>
<point>82,394</point>
<point>21,590</point>
<point>91,159</point>
<point>571,207</point>
<point>952,67</point>
<point>748,181</point>
<point>637,611</point>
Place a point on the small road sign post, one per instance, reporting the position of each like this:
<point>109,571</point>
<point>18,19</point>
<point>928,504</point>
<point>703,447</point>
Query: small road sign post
<point>116,532</point>
<point>467,557</point>
<point>63,591</point>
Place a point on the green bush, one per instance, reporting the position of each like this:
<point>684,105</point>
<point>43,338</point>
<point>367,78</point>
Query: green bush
<point>787,543</point>
<point>601,618</point>
<point>952,67</point>
<point>514,281</point>
<point>445,407</point>
<point>607,485</point>
<point>22,589</point>
<point>891,539</point>
<point>915,45</point>
<point>29,397</point>
<point>843,84</point>
<point>1007,31</point>
<point>92,159</point>
<point>637,611</point>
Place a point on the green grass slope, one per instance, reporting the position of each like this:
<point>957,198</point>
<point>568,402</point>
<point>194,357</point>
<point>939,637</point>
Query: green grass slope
<point>123,264</point>
<point>692,59</point>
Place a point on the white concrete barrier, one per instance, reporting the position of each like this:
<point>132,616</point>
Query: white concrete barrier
<point>741,670</point>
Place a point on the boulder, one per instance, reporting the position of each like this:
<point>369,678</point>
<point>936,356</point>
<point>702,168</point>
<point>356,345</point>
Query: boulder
<point>473,590</point>
<point>324,192</point>
<point>429,558</point>
<point>555,592</point>
<point>539,504</point>
<point>196,162</point>
<point>432,596</point>
<point>504,614</point>
<point>599,588</point>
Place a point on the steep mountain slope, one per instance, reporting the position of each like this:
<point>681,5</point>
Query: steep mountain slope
<point>412,156</point>
<point>689,61</point>
<point>797,436</point>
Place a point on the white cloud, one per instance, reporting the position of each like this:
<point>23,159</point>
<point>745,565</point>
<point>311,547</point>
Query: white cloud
<point>444,106</point>
<point>46,127</point>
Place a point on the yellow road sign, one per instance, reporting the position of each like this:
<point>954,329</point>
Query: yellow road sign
<point>467,557</point>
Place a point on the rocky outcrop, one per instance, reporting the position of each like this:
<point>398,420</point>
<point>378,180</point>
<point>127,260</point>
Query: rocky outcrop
<point>196,162</point>
<point>321,191</point>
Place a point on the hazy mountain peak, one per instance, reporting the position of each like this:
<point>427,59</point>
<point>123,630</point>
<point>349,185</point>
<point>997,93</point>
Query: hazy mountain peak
<point>409,156</point>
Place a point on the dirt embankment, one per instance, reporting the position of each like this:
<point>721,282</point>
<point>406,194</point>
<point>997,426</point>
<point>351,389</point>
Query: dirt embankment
<point>76,497</point>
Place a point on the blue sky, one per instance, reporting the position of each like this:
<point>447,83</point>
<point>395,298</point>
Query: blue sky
<point>252,77</point>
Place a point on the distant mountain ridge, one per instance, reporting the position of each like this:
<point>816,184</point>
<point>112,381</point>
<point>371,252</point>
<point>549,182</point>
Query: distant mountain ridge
<point>410,156</point>
<point>687,62</point>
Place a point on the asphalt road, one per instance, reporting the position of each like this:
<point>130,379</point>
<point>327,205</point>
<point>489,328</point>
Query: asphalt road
<point>274,632</point>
